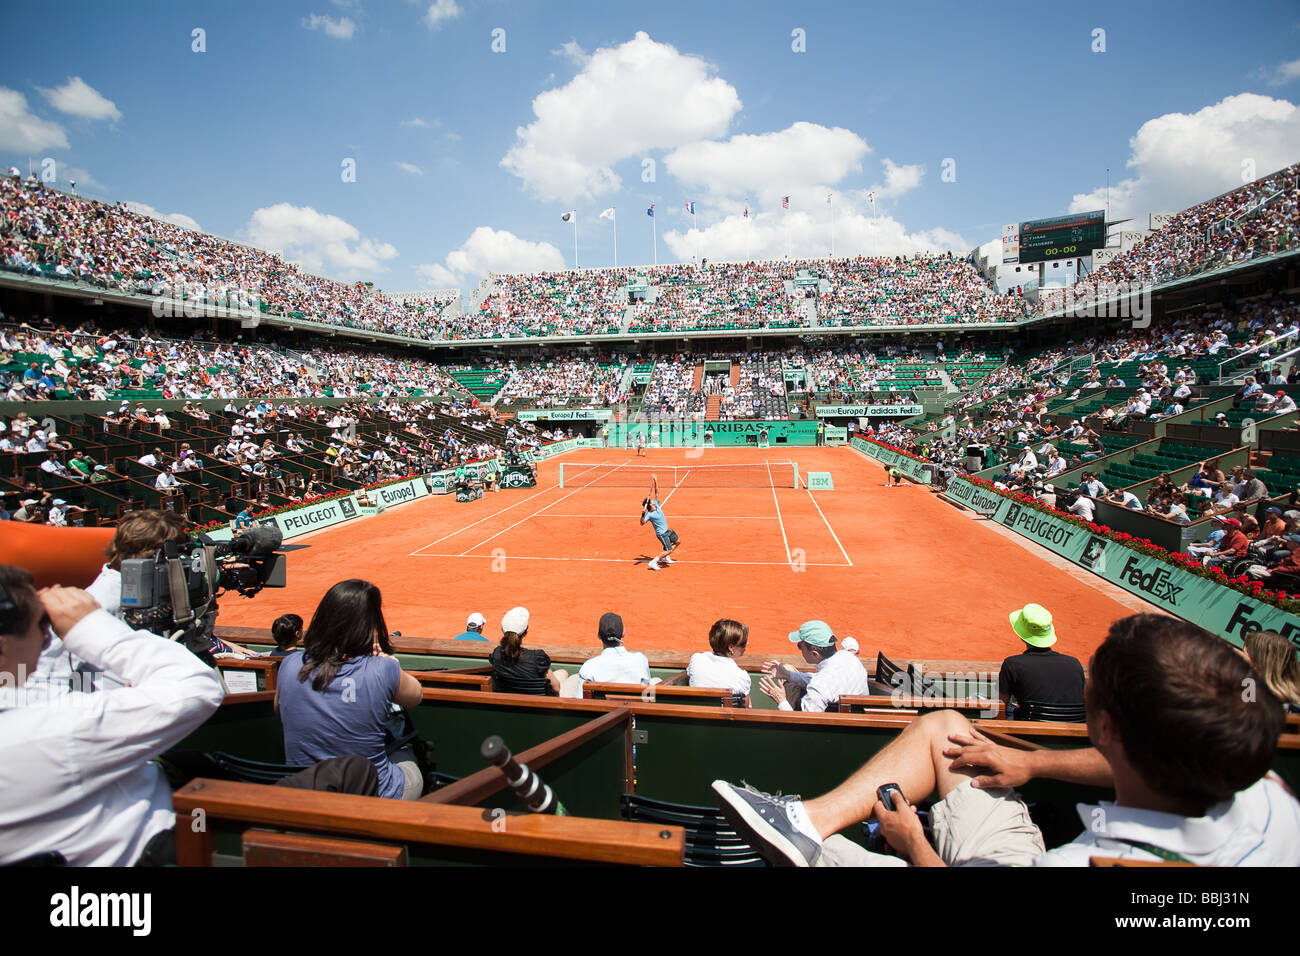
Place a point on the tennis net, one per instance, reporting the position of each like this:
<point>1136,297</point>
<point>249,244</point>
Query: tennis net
<point>764,474</point>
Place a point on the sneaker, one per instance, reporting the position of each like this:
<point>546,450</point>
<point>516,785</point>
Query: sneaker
<point>765,821</point>
<point>653,565</point>
<point>667,560</point>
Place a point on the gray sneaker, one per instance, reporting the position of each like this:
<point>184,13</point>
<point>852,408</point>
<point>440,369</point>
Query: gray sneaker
<point>763,820</point>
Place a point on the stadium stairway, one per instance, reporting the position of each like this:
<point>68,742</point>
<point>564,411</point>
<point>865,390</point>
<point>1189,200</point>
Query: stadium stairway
<point>713,409</point>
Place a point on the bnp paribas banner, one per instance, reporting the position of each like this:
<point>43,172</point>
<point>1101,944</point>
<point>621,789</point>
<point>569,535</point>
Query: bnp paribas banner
<point>399,493</point>
<point>914,469</point>
<point>870,411</point>
<point>564,414</point>
<point>1220,610</point>
<point>315,517</point>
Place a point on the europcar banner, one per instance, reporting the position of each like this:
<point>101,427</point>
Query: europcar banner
<point>869,411</point>
<point>1202,601</point>
<point>315,517</point>
<point>914,469</point>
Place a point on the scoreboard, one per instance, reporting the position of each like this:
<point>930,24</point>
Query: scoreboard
<point>1064,237</point>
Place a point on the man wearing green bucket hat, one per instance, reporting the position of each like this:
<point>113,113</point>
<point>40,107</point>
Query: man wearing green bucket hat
<point>1039,675</point>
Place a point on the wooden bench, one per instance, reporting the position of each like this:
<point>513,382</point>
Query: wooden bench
<point>972,707</point>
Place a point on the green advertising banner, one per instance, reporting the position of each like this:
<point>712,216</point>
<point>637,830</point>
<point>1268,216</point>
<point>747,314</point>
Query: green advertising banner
<point>442,482</point>
<point>565,414</point>
<point>917,471</point>
<point>690,434</point>
<point>557,448</point>
<point>1202,601</point>
<point>836,436</point>
<point>869,411</point>
<point>515,477</point>
<point>315,517</point>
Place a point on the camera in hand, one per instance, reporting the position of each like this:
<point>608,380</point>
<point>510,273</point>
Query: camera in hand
<point>174,594</point>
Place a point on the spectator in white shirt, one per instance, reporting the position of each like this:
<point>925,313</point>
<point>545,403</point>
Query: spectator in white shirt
<point>719,669</point>
<point>78,779</point>
<point>839,672</point>
<point>150,460</point>
<point>1126,499</point>
<point>615,664</point>
<point>165,482</point>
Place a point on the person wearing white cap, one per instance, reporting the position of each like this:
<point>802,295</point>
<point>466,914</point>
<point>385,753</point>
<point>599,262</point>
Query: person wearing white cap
<point>516,669</point>
<point>473,628</point>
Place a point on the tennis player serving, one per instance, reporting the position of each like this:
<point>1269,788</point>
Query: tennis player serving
<point>653,513</point>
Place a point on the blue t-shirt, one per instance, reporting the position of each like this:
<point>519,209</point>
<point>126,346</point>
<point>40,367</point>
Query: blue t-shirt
<point>347,717</point>
<point>469,636</point>
<point>656,517</point>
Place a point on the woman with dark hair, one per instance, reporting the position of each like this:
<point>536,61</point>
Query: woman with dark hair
<point>286,631</point>
<point>511,663</point>
<point>336,694</point>
<point>728,639</point>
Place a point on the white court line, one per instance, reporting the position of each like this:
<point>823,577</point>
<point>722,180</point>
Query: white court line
<point>784,539</point>
<point>529,557</point>
<point>680,517</point>
<point>829,528</point>
<point>499,511</point>
<point>544,507</point>
<point>675,487</point>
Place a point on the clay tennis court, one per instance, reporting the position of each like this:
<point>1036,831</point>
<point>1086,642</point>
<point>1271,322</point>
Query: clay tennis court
<point>895,567</point>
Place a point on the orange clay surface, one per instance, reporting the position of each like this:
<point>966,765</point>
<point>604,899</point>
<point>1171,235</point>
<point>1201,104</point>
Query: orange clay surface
<point>894,567</point>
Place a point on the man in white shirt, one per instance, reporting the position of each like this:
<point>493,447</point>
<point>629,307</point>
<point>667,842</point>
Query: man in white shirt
<point>1126,499</point>
<point>615,664</point>
<point>839,672</point>
<point>76,770</point>
<point>1188,759</point>
<point>165,482</point>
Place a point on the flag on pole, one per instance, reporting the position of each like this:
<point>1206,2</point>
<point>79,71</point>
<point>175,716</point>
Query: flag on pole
<point>651,211</point>
<point>828,199</point>
<point>746,216</point>
<point>871,198</point>
<point>608,213</point>
<point>785,202</point>
<point>569,216</point>
<point>690,208</point>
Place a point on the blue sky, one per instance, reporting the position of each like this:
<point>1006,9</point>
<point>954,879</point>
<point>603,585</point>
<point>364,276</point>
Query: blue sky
<point>466,158</point>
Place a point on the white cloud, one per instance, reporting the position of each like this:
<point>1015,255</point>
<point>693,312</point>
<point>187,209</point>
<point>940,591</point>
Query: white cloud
<point>175,218</point>
<point>491,250</point>
<point>898,180</point>
<point>1181,159</point>
<point>807,228</point>
<point>341,29</point>
<point>415,122</point>
<point>1284,73</point>
<point>626,101</point>
<point>78,98</point>
<point>23,132</point>
<point>573,52</point>
<point>320,243</point>
<point>409,168</point>
<point>769,164</point>
<point>440,11</point>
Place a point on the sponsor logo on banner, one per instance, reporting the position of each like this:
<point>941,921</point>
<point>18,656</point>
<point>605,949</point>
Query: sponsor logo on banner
<point>565,414</point>
<point>976,498</point>
<point>1031,524</point>
<point>1158,582</point>
<point>401,493</point>
<point>869,411</point>
<point>1243,622</point>
<point>317,516</point>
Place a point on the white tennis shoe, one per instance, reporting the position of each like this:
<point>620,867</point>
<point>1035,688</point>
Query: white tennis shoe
<point>653,565</point>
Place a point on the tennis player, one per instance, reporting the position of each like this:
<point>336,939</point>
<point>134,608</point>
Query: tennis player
<point>653,513</point>
<point>640,445</point>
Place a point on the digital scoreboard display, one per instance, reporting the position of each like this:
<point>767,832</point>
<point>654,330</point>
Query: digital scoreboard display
<point>1064,237</point>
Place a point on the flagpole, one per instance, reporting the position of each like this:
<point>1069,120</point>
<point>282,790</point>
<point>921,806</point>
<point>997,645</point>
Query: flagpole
<point>575,242</point>
<point>615,219</point>
<point>832,205</point>
<point>654,234</point>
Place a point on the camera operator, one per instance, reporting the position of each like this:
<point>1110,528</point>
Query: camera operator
<point>76,772</point>
<point>139,535</point>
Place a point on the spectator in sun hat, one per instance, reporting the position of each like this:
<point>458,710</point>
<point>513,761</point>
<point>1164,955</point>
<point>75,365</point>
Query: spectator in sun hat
<point>1198,549</point>
<point>1285,403</point>
<point>1234,545</point>
<point>473,628</point>
<point>615,664</point>
<point>839,672</point>
<point>1038,673</point>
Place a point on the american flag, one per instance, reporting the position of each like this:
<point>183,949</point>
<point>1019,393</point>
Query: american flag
<point>785,202</point>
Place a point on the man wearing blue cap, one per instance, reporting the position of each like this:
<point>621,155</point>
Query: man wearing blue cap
<point>1039,674</point>
<point>838,672</point>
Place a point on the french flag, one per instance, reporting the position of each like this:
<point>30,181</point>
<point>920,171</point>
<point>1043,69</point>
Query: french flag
<point>690,208</point>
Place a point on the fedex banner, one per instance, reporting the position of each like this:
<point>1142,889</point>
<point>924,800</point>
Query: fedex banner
<point>917,471</point>
<point>1218,609</point>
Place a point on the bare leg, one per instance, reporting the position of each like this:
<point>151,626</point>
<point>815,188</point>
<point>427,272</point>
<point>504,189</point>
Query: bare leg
<point>914,760</point>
